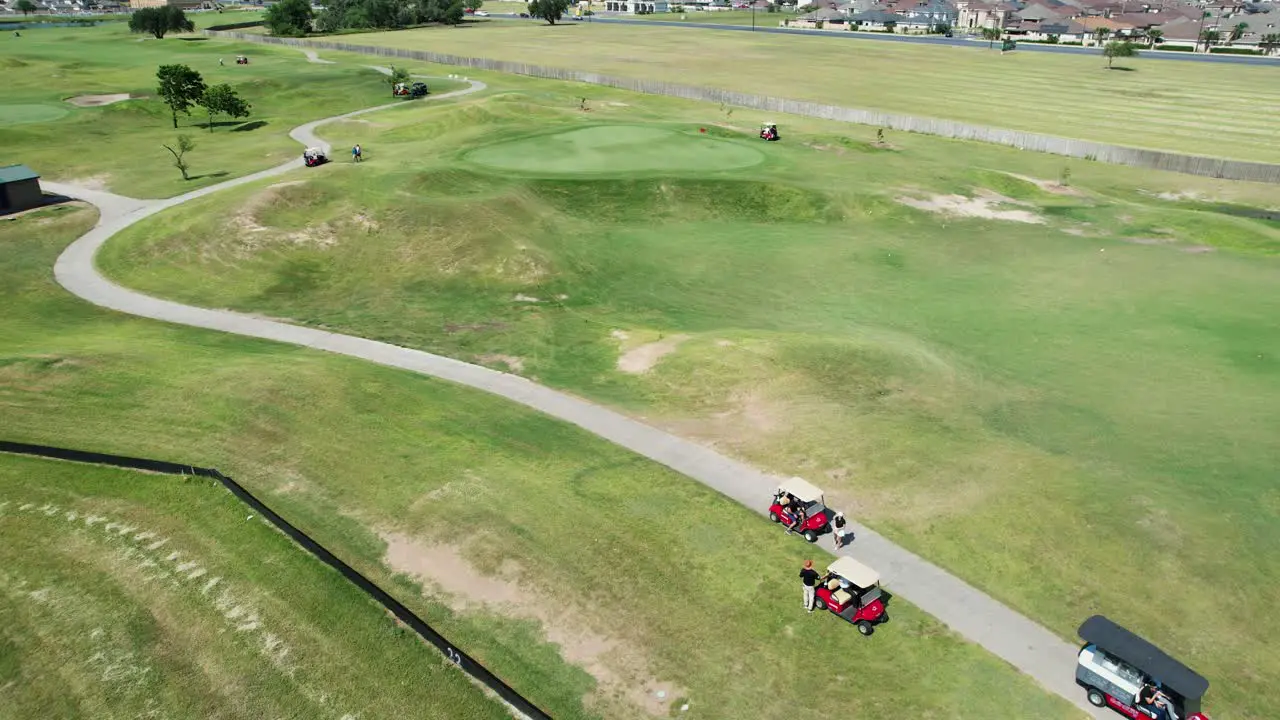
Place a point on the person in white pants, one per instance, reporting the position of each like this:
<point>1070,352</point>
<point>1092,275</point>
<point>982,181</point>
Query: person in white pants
<point>809,581</point>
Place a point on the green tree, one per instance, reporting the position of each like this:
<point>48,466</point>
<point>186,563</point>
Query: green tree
<point>289,18</point>
<point>1154,35</point>
<point>160,20</point>
<point>1238,31</point>
<point>185,145</point>
<point>991,35</point>
<point>473,5</point>
<point>395,77</point>
<point>1269,42</point>
<point>1118,49</point>
<point>222,100</point>
<point>1210,38</point>
<point>180,88</point>
<point>549,10</point>
<point>26,7</point>
<point>1101,34</point>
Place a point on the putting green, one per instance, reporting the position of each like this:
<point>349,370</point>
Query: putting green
<point>23,114</point>
<point>617,149</point>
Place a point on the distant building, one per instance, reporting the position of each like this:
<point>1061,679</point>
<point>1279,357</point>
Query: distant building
<point>633,7</point>
<point>19,189</point>
<point>184,4</point>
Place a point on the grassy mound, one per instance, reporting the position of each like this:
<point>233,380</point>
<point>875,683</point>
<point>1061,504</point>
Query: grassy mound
<point>617,149</point>
<point>13,114</point>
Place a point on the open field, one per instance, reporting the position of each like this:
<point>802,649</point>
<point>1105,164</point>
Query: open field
<point>590,580</point>
<point>120,146</point>
<point>127,594</point>
<point>957,346</point>
<point>1229,111</point>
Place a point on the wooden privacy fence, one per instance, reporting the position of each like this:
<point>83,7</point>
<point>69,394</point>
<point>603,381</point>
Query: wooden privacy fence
<point>1085,149</point>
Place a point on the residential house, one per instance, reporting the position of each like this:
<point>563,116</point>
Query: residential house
<point>878,20</point>
<point>826,18</point>
<point>636,7</point>
<point>927,13</point>
<point>1108,27</point>
<point>1064,31</point>
<point>973,14</point>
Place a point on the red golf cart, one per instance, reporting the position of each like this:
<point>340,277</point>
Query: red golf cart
<point>1122,671</point>
<point>314,156</point>
<point>851,591</point>
<point>797,498</point>
<point>769,131</point>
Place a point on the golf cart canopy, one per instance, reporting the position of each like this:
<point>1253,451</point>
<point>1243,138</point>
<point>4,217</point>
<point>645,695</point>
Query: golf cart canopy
<point>802,490</point>
<point>1148,658</point>
<point>855,572</point>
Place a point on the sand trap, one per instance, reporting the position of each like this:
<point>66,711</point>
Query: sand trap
<point>642,358</point>
<point>984,206</point>
<point>99,100</point>
<point>619,667</point>
<point>1047,185</point>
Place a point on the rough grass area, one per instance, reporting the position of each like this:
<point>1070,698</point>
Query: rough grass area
<point>1041,385</point>
<point>628,580</point>
<point>1211,109</point>
<point>126,594</point>
<point>119,146</point>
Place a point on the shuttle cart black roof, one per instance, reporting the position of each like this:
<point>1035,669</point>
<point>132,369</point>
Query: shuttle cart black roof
<point>1148,658</point>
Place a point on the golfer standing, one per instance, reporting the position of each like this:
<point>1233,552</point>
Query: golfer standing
<point>809,579</point>
<point>356,153</point>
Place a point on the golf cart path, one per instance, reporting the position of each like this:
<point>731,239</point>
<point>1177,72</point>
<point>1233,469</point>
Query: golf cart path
<point>983,620</point>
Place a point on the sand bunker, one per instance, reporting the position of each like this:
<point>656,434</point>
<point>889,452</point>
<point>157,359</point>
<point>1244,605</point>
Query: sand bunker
<point>985,206</point>
<point>99,100</point>
<point>642,358</point>
<point>617,666</point>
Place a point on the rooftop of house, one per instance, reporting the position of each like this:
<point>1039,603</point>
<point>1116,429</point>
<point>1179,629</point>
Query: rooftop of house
<point>877,15</point>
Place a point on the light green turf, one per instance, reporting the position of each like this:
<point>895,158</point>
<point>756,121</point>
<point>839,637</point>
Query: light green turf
<point>11,114</point>
<point>1106,378</point>
<point>622,149</point>
<point>121,146</point>
<point>97,621</point>
<point>346,450</point>
<point>1206,108</point>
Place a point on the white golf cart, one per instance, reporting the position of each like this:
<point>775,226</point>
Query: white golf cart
<point>799,505</point>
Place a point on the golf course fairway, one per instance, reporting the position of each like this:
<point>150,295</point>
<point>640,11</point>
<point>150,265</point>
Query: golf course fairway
<point>617,149</point>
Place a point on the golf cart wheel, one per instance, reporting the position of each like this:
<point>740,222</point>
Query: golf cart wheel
<point>1096,698</point>
<point>865,627</point>
<point>811,536</point>
<point>774,516</point>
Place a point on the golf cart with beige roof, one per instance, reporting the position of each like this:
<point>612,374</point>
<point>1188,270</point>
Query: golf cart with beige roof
<point>799,505</point>
<point>851,590</point>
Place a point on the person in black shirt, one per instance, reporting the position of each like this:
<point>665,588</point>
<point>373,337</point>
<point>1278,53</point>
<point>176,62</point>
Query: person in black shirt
<point>809,578</point>
<point>1152,700</point>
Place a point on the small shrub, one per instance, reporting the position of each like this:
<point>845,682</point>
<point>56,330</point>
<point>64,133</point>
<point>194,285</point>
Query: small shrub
<point>1176,48</point>
<point>1234,51</point>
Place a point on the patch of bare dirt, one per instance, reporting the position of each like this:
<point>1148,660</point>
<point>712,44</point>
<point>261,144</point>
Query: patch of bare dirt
<point>1147,241</point>
<point>1198,249</point>
<point>985,205</point>
<point>92,182</point>
<point>618,667</point>
<point>1048,186</point>
<point>100,100</point>
<point>253,236</point>
<point>513,363</point>
<point>642,358</point>
<point>521,297</point>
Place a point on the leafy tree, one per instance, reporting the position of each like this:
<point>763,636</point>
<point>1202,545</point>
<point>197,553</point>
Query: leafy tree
<point>1269,42</point>
<point>1238,31</point>
<point>397,76</point>
<point>1101,34</point>
<point>1118,49</point>
<point>222,100</point>
<point>991,35</point>
<point>185,145</point>
<point>1154,35</point>
<point>549,10</point>
<point>473,5</point>
<point>289,18</point>
<point>180,87</point>
<point>1210,38</point>
<point>26,7</point>
<point>160,20</point>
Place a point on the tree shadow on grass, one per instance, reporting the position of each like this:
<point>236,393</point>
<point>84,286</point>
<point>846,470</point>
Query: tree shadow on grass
<point>1122,68</point>
<point>194,39</point>
<point>249,126</point>
<point>219,174</point>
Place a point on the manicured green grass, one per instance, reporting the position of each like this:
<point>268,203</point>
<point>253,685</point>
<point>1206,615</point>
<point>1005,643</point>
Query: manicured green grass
<point>1210,109</point>
<point>120,146</point>
<point>617,148</point>
<point>635,574</point>
<point>1042,408</point>
<point>125,594</point>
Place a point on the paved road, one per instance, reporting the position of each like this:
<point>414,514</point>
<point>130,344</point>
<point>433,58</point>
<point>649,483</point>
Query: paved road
<point>978,617</point>
<point>923,39</point>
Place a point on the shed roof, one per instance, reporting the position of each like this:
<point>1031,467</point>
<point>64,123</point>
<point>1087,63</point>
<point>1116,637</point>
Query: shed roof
<point>14,173</point>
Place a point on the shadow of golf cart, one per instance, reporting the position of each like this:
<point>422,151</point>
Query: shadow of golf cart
<point>1115,665</point>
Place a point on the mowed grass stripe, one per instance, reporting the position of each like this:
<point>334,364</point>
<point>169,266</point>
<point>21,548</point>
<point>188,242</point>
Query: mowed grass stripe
<point>1062,94</point>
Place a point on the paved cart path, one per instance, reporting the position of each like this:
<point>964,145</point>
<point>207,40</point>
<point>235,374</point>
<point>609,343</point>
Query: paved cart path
<point>973,614</point>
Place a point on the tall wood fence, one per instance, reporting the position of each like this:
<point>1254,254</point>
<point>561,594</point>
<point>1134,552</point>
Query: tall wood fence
<point>1085,149</point>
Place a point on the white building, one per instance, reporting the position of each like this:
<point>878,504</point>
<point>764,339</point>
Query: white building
<point>636,7</point>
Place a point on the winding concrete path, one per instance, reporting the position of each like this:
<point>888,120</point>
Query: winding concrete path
<point>985,621</point>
